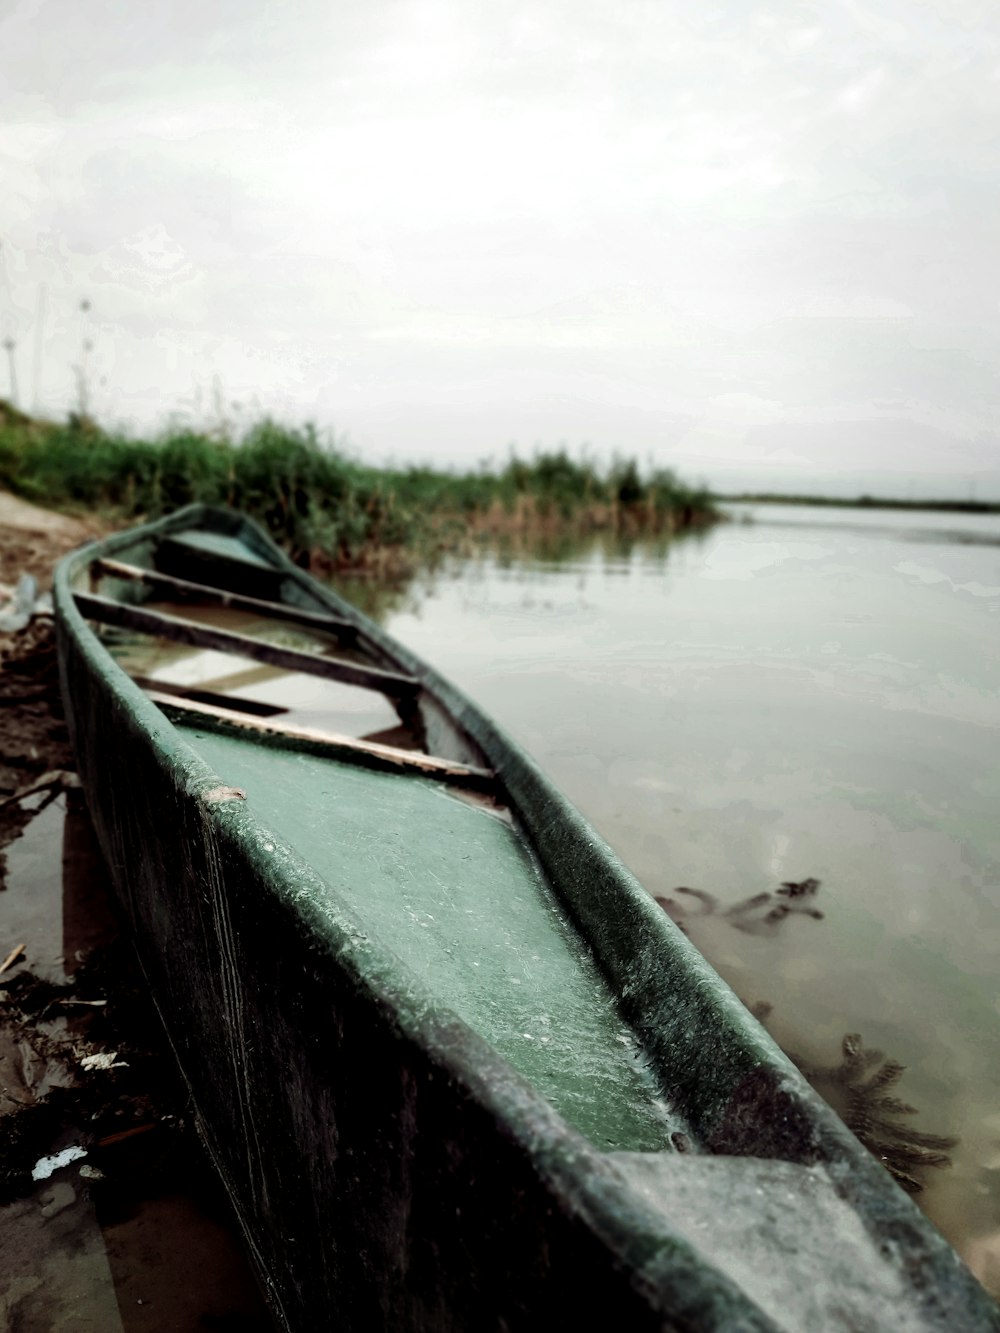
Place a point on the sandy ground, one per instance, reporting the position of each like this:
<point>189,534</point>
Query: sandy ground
<point>33,539</point>
<point>33,738</point>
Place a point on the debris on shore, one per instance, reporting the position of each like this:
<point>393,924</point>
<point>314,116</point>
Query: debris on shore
<point>107,1201</point>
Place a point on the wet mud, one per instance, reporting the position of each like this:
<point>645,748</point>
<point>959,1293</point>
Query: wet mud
<point>110,1215</point>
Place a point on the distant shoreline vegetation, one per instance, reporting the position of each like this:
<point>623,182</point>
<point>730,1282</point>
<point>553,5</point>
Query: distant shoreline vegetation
<point>863,502</point>
<point>328,510</point>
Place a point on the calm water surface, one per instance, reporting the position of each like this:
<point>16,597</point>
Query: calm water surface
<point>813,694</point>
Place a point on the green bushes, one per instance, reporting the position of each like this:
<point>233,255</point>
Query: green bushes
<point>557,483</point>
<point>321,504</point>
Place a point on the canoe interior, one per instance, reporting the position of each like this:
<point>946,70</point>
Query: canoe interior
<point>297,624</point>
<point>300,698</point>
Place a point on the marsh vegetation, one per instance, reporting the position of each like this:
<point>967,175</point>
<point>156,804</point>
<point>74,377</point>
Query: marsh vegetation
<point>328,509</point>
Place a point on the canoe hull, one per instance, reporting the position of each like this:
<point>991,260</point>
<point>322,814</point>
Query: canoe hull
<point>380,1186</point>
<point>389,1168</point>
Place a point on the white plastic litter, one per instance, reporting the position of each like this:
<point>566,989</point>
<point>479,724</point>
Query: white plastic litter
<point>18,612</point>
<point>44,1167</point>
<point>102,1060</point>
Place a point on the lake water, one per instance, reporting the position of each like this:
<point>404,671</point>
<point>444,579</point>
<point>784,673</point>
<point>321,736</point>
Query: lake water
<point>811,695</point>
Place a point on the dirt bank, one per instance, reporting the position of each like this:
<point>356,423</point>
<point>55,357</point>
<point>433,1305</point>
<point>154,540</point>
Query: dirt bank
<point>33,539</point>
<point>33,739</point>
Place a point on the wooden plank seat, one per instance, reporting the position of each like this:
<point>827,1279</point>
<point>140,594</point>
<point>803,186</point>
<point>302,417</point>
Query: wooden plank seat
<point>105,610</point>
<point>186,589</point>
<point>337,746</point>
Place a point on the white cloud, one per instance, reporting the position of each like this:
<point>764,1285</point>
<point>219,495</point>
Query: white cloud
<point>442,223</point>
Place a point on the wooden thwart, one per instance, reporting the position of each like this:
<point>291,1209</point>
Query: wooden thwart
<point>337,745</point>
<point>185,588</point>
<point>109,612</point>
<point>255,707</point>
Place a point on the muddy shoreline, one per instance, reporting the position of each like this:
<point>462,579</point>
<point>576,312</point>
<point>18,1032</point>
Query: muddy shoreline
<point>110,1217</point>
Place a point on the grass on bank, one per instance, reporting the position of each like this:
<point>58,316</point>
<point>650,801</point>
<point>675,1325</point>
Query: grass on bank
<point>866,502</point>
<point>326,508</point>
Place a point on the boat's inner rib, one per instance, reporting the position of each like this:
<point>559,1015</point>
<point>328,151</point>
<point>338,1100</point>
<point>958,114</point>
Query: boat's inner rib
<point>256,707</point>
<point>104,610</point>
<point>186,590</point>
<point>368,752</point>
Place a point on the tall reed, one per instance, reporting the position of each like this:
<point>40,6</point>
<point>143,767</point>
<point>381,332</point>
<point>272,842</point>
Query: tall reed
<point>325,507</point>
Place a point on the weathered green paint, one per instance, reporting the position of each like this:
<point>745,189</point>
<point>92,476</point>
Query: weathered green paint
<point>394,1167</point>
<point>226,545</point>
<point>455,893</point>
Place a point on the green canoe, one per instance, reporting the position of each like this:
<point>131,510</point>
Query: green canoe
<point>456,1068</point>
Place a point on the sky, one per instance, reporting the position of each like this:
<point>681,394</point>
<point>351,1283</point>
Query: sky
<point>755,243</point>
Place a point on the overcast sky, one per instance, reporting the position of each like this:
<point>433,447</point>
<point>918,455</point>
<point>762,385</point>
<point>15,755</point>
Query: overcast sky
<point>757,243</point>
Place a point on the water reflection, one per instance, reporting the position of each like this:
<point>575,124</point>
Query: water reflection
<point>528,556</point>
<point>920,525</point>
<point>528,550</point>
<point>379,600</point>
<point>129,1232</point>
<point>768,699</point>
